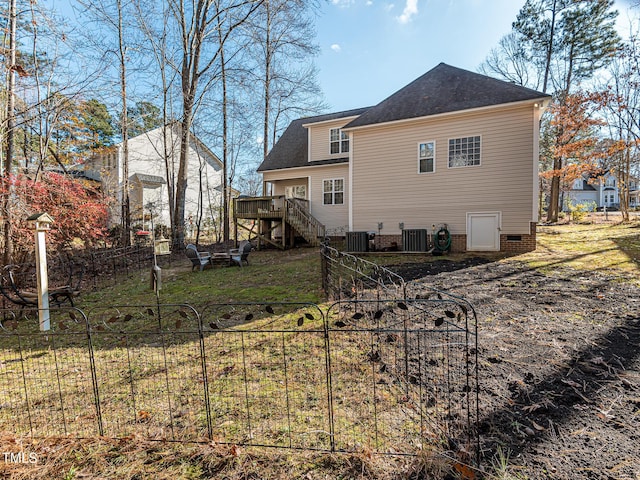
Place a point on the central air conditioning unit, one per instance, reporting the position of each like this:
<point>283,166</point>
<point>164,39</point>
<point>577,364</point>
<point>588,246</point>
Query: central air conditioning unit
<point>414,240</point>
<point>357,241</point>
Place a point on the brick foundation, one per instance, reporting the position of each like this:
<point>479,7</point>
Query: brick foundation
<point>508,243</point>
<point>519,243</point>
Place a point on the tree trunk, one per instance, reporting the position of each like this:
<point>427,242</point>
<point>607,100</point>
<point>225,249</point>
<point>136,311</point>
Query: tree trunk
<point>126,207</point>
<point>225,146</point>
<point>554,194</point>
<point>547,66</point>
<point>623,185</point>
<point>267,81</point>
<point>181,181</point>
<point>8,159</point>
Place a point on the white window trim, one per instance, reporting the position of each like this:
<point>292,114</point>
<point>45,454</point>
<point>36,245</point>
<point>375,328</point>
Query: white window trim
<point>333,191</point>
<point>342,137</point>
<point>464,166</point>
<point>420,158</point>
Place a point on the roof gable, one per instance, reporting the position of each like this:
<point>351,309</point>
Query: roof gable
<point>174,129</point>
<point>291,148</point>
<point>444,89</point>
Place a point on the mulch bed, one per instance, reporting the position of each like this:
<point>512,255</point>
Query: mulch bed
<point>559,365</point>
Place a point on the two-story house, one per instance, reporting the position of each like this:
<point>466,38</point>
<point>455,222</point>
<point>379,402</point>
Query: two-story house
<point>154,156</point>
<point>601,191</point>
<point>452,148</point>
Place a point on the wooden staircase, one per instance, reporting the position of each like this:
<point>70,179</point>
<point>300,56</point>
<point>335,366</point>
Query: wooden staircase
<point>289,216</point>
<point>308,227</point>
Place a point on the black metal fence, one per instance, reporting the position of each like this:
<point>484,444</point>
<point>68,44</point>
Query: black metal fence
<point>376,370</point>
<point>387,376</point>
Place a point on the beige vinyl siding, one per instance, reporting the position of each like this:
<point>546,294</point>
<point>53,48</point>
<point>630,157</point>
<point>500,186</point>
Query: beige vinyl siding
<point>334,217</point>
<point>319,140</point>
<point>388,189</point>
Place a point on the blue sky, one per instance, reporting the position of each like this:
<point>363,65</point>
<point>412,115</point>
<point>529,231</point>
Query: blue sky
<point>372,48</point>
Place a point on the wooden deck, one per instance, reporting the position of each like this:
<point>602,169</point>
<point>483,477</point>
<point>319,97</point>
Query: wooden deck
<point>277,220</point>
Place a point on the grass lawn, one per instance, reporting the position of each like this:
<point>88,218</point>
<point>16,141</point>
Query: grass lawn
<point>273,276</point>
<point>610,248</point>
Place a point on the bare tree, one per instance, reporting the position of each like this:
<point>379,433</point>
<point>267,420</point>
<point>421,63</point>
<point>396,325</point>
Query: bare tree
<point>623,114</point>
<point>566,42</point>
<point>511,60</point>
<point>281,35</point>
<point>155,27</point>
<point>110,15</point>
<point>197,24</point>
<point>9,131</point>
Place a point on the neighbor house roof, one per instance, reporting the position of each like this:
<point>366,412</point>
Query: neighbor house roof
<point>587,186</point>
<point>197,144</point>
<point>291,148</point>
<point>147,179</point>
<point>444,89</point>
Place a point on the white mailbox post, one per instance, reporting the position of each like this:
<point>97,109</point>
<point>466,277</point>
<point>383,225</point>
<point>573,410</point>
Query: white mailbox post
<point>40,223</point>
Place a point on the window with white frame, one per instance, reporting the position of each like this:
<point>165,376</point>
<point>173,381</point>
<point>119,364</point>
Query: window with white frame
<point>296,191</point>
<point>333,191</point>
<point>464,152</point>
<point>339,141</point>
<point>427,157</point>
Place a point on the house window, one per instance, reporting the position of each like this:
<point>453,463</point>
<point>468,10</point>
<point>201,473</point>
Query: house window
<point>333,191</point>
<point>611,182</point>
<point>339,141</point>
<point>426,157</point>
<point>464,152</point>
<point>296,191</point>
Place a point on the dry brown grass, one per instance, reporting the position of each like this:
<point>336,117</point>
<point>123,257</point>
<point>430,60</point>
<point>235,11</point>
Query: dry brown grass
<point>134,458</point>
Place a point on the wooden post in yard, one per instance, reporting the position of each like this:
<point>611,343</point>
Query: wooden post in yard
<point>41,223</point>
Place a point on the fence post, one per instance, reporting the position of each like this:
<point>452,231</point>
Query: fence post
<point>327,356</point>
<point>94,375</point>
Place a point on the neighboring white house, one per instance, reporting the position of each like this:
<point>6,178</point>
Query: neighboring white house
<point>148,170</point>
<point>602,191</point>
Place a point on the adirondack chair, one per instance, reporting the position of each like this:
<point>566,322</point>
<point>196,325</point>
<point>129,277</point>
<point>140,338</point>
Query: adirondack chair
<point>198,259</point>
<point>240,255</point>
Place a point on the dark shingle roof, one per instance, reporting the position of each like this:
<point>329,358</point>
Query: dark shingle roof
<point>291,148</point>
<point>148,179</point>
<point>444,89</point>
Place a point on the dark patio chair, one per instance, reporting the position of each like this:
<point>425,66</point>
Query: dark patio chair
<point>240,255</point>
<point>198,259</point>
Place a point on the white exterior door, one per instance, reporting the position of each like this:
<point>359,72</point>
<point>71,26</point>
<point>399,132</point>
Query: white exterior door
<point>483,231</point>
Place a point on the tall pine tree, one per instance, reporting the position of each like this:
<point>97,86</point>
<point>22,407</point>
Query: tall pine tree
<point>568,41</point>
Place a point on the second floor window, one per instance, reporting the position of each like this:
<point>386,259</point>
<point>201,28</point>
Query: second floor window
<point>426,157</point>
<point>339,141</point>
<point>464,152</point>
<point>333,191</point>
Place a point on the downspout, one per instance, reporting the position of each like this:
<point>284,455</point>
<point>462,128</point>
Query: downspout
<point>350,182</point>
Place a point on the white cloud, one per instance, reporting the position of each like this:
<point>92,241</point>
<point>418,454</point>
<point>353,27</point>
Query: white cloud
<point>342,3</point>
<point>336,48</point>
<point>410,9</point>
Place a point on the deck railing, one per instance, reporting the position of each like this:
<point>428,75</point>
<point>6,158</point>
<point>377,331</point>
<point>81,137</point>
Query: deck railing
<point>295,211</point>
<point>306,224</point>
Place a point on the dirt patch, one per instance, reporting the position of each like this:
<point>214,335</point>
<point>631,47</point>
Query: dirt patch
<point>559,366</point>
